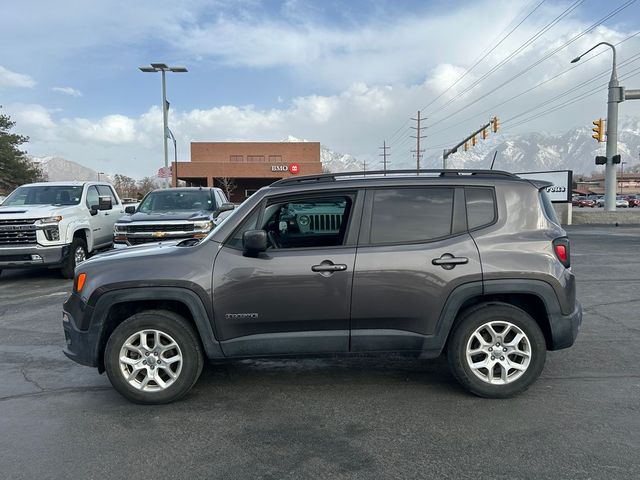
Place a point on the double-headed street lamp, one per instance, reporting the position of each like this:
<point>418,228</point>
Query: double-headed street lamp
<point>163,68</point>
<point>617,94</point>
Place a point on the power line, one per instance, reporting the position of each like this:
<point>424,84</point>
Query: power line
<point>547,56</point>
<point>504,61</point>
<point>544,82</point>
<point>479,60</point>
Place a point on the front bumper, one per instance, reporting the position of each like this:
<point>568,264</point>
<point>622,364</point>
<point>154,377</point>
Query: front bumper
<point>81,342</point>
<point>34,255</point>
<point>564,328</point>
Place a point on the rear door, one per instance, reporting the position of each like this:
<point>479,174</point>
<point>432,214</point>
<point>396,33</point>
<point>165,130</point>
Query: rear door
<point>414,249</point>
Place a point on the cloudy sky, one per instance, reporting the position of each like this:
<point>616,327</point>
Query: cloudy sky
<point>346,73</point>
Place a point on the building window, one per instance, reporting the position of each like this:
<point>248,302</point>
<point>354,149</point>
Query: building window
<point>255,158</point>
<point>237,158</point>
<point>249,192</point>
<point>275,158</point>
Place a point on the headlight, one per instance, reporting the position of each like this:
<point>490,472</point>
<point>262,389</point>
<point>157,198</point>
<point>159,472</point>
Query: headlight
<point>303,220</point>
<point>49,220</point>
<point>204,225</point>
<point>119,228</point>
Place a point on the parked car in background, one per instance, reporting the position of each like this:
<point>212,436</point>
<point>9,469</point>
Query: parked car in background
<point>172,214</point>
<point>583,202</point>
<point>633,200</point>
<point>57,224</point>
<point>621,202</point>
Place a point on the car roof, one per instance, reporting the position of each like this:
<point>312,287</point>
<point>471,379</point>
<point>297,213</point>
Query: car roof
<point>71,183</point>
<point>185,189</point>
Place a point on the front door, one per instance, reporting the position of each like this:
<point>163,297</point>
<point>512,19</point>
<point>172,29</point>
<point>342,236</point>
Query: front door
<point>101,227</point>
<point>414,250</point>
<point>296,296</point>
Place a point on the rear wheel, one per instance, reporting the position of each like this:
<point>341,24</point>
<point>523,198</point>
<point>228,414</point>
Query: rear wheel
<point>496,350</point>
<point>153,357</point>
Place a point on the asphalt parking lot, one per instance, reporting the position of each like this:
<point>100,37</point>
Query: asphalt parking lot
<point>332,418</point>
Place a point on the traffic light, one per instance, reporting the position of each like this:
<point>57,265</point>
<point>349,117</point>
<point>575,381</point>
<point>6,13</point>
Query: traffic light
<point>496,124</point>
<point>615,159</point>
<point>466,146</point>
<point>485,134</point>
<point>473,141</point>
<point>598,131</point>
<point>600,160</point>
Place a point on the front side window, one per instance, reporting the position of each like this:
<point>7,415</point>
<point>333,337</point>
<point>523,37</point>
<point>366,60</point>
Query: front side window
<point>45,195</point>
<point>411,215</point>
<point>105,191</point>
<point>307,222</point>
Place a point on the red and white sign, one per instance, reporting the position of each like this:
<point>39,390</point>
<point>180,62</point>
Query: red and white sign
<point>294,168</point>
<point>165,172</point>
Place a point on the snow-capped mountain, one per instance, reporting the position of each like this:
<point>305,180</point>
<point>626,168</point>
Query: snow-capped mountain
<point>60,169</point>
<point>573,150</point>
<point>332,161</point>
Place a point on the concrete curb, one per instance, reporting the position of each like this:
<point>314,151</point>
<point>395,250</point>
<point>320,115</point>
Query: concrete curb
<point>605,218</point>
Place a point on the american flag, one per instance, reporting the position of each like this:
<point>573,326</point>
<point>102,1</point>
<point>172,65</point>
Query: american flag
<point>164,172</point>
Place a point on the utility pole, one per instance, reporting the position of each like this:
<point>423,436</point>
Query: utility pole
<point>364,165</point>
<point>617,94</point>
<point>418,136</point>
<point>384,155</point>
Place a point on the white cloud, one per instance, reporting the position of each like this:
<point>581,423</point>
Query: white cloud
<point>13,79</point>
<point>72,92</point>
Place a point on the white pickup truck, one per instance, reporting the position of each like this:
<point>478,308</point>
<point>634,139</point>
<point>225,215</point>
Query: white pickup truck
<point>57,224</point>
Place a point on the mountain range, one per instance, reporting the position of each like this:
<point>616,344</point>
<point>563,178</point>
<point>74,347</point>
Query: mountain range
<point>529,152</point>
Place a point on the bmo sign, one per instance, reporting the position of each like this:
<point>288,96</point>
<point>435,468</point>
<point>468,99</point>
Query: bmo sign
<point>293,168</point>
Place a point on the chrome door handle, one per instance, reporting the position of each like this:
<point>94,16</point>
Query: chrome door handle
<point>448,261</point>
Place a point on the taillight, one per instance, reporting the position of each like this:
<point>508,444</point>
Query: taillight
<point>562,251</point>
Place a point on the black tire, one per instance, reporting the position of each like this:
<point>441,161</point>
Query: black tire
<point>184,335</point>
<point>69,266</point>
<point>473,319</point>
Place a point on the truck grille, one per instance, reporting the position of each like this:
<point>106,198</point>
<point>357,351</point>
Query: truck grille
<point>142,240</point>
<point>181,227</point>
<point>17,232</point>
<point>325,222</point>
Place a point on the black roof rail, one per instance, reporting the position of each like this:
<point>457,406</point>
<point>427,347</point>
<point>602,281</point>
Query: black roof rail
<point>331,177</point>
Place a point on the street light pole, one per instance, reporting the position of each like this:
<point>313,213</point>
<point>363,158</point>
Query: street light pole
<point>616,95</point>
<point>163,69</point>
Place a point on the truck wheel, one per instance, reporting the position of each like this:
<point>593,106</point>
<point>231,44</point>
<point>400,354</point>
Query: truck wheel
<point>77,255</point>
<point>153,357</point>
<point>496,350</point>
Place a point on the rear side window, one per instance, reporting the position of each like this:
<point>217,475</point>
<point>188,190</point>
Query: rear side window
<point>406,215</point>
<point>547,206</point>
<point>481,207</point>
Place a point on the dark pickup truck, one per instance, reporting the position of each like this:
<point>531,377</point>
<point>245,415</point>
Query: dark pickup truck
<point>172,214</point>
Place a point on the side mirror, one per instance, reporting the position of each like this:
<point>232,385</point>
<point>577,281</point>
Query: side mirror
<point>254,242</point>
<point>225,207</point>
<point>93,210</point>
<point>130,210</point>
<point>104,203</point>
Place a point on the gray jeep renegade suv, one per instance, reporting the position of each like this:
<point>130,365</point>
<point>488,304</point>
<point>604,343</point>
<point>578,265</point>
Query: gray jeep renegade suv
<point>470,263</point>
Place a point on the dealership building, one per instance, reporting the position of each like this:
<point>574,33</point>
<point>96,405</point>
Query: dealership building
<point>244,167</point>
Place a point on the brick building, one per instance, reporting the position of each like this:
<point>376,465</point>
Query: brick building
<point>247,166</point>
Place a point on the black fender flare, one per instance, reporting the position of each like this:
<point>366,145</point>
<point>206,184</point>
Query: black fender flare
<point>185,296</point>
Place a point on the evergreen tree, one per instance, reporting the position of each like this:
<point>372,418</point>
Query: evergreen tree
<point>15,168</point>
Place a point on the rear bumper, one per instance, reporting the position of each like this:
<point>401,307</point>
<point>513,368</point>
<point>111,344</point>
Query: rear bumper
<point>33,256</point>
<point>564,328</point>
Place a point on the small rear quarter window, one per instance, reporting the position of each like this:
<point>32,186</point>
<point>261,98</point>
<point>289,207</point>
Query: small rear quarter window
<point>481,207</point>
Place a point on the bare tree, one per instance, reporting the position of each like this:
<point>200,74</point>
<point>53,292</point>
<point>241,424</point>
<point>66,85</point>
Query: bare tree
<point>125,186</point>
<point>146,185</point>
<point>227,184</point>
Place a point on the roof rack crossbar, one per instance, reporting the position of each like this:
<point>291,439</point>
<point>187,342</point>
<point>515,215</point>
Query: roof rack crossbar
<point>331,177</point>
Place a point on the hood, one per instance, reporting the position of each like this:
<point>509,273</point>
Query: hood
<point>166,216</point>
<point>144,250</point>
<point>33,211</point>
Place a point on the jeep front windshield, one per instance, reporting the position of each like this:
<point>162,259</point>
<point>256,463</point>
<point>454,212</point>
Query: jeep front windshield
<point>177,201</point>
<point>45,195</point>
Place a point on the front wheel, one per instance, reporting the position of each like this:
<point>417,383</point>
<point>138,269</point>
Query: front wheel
<point>496,350</point>
<point>153,357</point>
<point>77,255</point>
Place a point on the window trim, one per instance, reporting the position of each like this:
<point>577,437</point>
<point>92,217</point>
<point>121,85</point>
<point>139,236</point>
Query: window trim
<point>365,232</point>
<point>495,208</point>
<point>355,216</point>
